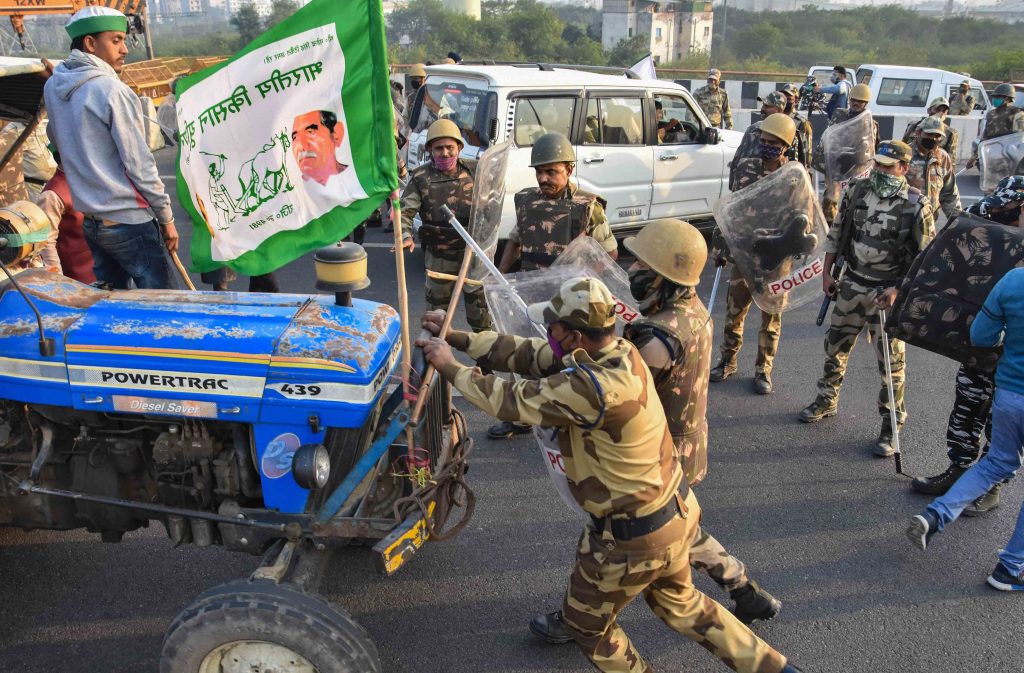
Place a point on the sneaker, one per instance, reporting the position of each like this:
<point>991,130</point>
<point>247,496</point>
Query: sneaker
<point>817,410</point>
<point>1004,580</point>
<point>723,370</point>
<point>940,483</point>
<point>921,529</point>
<point>985,503</point>
<point>551,628</point>
<point>884,445</point>
<point>762,384</point>
<point>754,603</point>
<point>506,429</point>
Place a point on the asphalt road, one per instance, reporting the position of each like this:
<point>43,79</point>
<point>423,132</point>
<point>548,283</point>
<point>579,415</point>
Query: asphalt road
<point>817,519</point>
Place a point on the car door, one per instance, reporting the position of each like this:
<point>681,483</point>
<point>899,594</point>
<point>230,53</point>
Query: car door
<point>688,174</point>
<point>612,157</point>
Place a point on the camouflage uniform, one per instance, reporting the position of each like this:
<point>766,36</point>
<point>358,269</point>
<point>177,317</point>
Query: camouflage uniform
<point>715,105</point>
<point>887,234</point>
<point>675,343</point>
<point>620,461</point>
<point>951,143</point>
<point>961,104</point>
<point>1002,121</point>
<point>544,227</point>
<point>738,300</point>
<point>802,149</point>
<point>12,182</point>
<point>935,176</point>
<point>828,206</point>
<point>427,190</point>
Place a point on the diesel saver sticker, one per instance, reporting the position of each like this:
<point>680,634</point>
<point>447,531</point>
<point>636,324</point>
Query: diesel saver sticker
<point>165,381</point>
<point>155,405</point>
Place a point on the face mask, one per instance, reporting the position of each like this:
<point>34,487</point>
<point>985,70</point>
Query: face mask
<point>996,102</point>
<point>445,164</point>
<point>928,143</point>
<point>789,108</point>
<point>834,78</point>
<point>771,152</point>
<point>885,185</point>
<point>712,84</point>
<point>556,346</point>
<point>641,283</point>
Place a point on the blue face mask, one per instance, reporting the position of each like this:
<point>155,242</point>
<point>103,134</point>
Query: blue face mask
<point>996,102</point>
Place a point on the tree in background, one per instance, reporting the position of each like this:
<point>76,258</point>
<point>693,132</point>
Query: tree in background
<point>247,22</point>
<point>279,11</point>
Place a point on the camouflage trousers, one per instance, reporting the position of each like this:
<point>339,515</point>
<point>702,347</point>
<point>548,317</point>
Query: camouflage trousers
<point>439,292</point>
<point>853,310</point>
<point>709,555</point>
<point>971,415</point>
<point>737,303</point>
<point>610,573</point>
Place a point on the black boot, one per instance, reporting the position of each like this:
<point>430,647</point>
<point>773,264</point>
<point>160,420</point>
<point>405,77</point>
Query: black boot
<point>551,628</point>
<point>762,384</point>
<point>985,503</point>
<point>723,370</point>
<point>506,429</point>
<point>817,410</point>
<point>940,483</point>
<point>754,603</point>
<point>884,445</point>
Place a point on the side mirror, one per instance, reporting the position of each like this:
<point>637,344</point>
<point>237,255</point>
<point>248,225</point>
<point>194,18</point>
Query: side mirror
<point>711,136</point>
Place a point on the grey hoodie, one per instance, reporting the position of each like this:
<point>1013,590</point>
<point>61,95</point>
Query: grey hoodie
<point>96,125</point>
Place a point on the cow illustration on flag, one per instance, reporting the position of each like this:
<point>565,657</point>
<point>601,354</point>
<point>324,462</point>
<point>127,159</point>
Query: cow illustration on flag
<point>288,145</point>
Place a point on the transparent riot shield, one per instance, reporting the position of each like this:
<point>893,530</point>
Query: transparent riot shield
<point>507,302</point>
<point>999,158</point>
<point>776,231</point>
<point>847,148</point>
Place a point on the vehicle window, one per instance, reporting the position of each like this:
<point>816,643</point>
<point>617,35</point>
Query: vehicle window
<point>536,116</point>
<point>904,92</point>
<point>467,107</point>
<point>979,100</point>
<point>822,75</point>
<point>677,122</point>
<point>864,76</point>
<point>614,121</point>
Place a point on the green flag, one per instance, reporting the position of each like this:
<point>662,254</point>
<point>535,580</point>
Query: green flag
<point>288,145</point>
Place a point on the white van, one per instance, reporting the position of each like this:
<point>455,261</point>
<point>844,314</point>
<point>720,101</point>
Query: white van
<point>897,89</point>
<point>611,121</point>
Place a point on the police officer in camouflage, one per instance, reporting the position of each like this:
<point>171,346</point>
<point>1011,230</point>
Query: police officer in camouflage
<point>802,149</point>
<point>972,406</point>
<point>548,217</point>
<point>939,109</point>
<point>883,224</point>
<point>674,340</point>
<point>444,180</point>
<point>962,102</point>
<point>714,100</point>
<point>778,132</point>
<point>622,468</point>
<point>1003,119</point>
<point>932,170</point>
<point>860,96</point>
<point>417,74</point>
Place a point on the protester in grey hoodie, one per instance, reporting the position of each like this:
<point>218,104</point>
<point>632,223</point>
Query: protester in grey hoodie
<point>96,125</point>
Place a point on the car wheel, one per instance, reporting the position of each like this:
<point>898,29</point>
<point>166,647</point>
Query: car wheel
<point>255,627</point>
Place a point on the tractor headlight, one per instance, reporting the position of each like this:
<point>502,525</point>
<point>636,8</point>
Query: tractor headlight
<point>311,466</point>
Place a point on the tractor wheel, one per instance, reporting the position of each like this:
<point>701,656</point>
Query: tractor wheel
<point>262,627</point>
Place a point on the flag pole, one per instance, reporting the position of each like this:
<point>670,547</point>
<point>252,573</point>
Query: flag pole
<point>403,312</point>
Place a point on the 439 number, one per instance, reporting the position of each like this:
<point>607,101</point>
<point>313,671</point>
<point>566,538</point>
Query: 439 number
<point>300,390</point>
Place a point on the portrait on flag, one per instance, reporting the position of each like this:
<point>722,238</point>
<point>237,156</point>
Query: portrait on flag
<point>266,161</point>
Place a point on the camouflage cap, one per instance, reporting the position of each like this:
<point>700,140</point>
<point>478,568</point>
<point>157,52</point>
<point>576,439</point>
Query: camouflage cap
<point>1010,190</point>
<point>893,151</point>
<point>580,303</point>
<point>774,99</point>
<point>938,101</point>
<point>715,73</point>
<point>790,89</point>
<point>933,125</point>
<point>966,83</point>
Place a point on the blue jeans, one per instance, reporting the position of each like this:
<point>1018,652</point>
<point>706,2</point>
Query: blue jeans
<point>1000,463</point>
<point>127,252</point>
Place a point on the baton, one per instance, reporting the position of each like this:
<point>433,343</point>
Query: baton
<point>888,382</point>
<point>714,288</point>
<point>960,172</point>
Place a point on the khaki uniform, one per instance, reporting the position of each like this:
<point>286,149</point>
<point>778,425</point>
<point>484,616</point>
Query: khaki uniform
<point>1003,120</point>
<point>951,144</point>
<point>12,183</point>
<point>620,460</point>
<point>738,299</point>
<point>828,206</point>
<point>544,227</point>
<point>935,176</point>
<point>715,105</point>
<point>887,234</point>
<point>427,190</point>
<point>675,343</point>
<point>802,149</point>
<point>961,104</point>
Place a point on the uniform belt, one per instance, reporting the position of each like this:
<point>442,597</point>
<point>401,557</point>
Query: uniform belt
<point>871,282</point>
<point>631,527</point>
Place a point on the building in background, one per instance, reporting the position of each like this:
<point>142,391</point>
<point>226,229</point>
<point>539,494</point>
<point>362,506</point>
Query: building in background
<point>676,28</point>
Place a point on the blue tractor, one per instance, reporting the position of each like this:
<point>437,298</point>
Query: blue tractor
<point>271,424</point>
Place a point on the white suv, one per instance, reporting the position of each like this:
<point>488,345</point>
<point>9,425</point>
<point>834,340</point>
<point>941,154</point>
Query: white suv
<point>612,122</point>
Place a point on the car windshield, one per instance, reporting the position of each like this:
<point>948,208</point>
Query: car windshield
<point>899,92</point>
<point>469,108</point>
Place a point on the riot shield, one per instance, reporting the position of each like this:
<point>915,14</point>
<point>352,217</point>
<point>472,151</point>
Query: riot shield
<point>998,158</point>
<point>488,196</point>
<point>508,301</point>
<point>847,148</point>
<point>776,232</point>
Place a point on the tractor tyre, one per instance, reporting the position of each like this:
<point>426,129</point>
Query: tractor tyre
<point>261,626</point>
